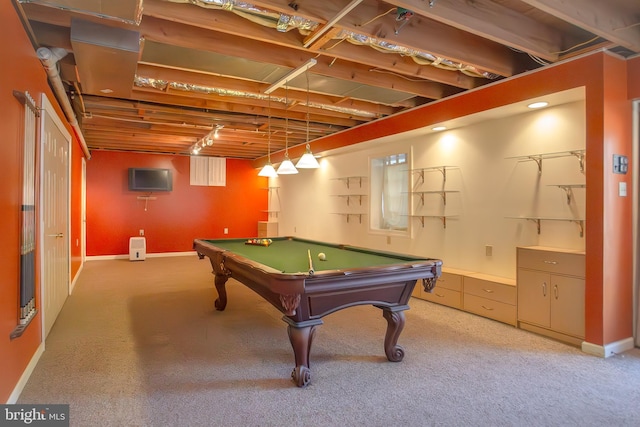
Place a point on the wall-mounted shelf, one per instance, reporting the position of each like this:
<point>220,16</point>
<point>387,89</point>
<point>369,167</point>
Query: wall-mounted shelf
<point>443,169</point>
<point>272,213</point>
<point>539,219</point>
<point>348,197</point>
<point>348,215</point>
<point>442,193</point>
<point>349,179</point>
<point>443,218</point>
<point>146,200</point>
<point>538,158</point>
<point>568,189</point>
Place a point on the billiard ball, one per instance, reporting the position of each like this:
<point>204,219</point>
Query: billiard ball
<point>322,256</point>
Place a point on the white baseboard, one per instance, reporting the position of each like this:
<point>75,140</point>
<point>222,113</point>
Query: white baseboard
<point>75,279</point>
<point>17,390</point>
<point>148,255</point>
<point>608,349</point>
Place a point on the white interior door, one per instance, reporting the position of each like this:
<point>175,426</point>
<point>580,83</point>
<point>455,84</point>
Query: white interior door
<point>54,215</point>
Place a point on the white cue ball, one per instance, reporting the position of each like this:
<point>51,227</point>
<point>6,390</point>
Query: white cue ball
<point>322,256</point>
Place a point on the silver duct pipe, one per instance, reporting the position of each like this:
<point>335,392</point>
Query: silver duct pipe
<point>49,59</point>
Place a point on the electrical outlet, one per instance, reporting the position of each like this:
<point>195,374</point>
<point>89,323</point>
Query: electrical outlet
<point>141,232</point>
<point>488,250</point>
<point>226,230</point>
<point>388,240</point>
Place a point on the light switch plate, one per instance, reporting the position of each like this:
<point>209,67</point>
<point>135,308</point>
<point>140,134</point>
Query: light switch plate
<point>622,189</point>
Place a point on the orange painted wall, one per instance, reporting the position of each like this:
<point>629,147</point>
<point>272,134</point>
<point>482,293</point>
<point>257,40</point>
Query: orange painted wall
<point>76,210</point>
<point>25,73</point>
<point>173,219</point>
<point>633,71</point>
<point>617,259</point>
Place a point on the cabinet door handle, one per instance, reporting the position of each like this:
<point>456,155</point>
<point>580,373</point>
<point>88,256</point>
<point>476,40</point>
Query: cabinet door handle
<point>544,289</point>
<point>439,295</point>
<point>487,308</point>
<point>555,291</point>
<point>489,291</point>
<point>551,262</point>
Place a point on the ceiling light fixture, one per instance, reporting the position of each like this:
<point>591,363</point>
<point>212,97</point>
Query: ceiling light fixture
<point>290,76</point>
<point>438,128</point>
<point>286,167</point>
<point>538,104</point>
<point>308,160</point>
<point>216,135</point>
<point>268,169</point>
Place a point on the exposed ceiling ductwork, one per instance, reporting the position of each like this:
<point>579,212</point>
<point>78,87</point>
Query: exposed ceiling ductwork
<point>157,76</point>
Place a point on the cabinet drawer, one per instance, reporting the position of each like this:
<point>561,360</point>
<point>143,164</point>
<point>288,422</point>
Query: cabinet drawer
<point>494,291</point>
<point>496,310</point>
<point>568,263</point>
<point>444,296</point>
<point>450,281</point>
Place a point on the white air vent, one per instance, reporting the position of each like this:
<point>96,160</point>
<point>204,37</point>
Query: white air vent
<point>137,248</point>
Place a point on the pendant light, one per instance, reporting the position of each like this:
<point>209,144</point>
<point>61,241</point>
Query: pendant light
<point>286,167</point>
<point>308,160</point>
<point>268,169</point>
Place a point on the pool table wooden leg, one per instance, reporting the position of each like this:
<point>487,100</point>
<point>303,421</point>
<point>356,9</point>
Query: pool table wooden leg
<point>301,337</point>
<point>395,324</point>
<point>221,302</point>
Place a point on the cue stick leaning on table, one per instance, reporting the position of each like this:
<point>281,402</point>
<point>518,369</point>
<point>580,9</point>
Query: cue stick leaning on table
<point>310,262</point>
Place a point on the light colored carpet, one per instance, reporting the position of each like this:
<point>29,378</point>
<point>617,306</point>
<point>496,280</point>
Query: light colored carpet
<point>140,344</point>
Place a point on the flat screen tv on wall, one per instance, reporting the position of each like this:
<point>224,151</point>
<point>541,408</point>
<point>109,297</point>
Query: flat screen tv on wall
<point>150,179</point>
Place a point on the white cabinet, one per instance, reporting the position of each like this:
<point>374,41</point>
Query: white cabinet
<point>551,292</point>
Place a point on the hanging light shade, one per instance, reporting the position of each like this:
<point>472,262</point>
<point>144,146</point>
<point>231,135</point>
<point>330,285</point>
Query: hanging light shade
<point>286,167</point>
<point>268,170</point>
<point>308,160</point>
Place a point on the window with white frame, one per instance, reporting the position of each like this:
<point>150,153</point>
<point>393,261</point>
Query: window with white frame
<point>390,192</point>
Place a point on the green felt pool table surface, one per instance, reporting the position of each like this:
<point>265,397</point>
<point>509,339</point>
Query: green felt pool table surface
<point>290,255</point>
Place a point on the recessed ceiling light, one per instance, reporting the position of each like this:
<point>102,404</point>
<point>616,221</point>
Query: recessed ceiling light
<point>538,104</point>
<point>438,128</point>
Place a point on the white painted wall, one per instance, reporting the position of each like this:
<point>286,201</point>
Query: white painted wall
<point>491,188</point>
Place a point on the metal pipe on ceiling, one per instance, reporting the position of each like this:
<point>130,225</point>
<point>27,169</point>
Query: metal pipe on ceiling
<point>49,59</point>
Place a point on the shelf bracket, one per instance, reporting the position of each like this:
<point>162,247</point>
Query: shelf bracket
<point>444,173</point>
<point>538,160</point>
<point>537,221</point>
<point>581,225</point>
<point>568,191</point>
<point>580,156</point>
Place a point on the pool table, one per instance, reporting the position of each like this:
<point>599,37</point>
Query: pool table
<point>289,274</point>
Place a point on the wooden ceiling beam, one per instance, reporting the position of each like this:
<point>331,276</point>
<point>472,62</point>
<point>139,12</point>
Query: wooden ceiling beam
<point>616,21</point>
<point>493,21</point>
<point>213,32</point>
